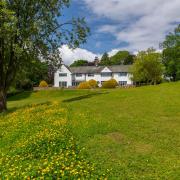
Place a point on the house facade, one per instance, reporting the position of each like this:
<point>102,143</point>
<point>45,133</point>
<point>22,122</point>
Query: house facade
<point>72,76</point>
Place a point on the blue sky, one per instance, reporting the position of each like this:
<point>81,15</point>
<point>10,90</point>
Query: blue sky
<point>122,25</point>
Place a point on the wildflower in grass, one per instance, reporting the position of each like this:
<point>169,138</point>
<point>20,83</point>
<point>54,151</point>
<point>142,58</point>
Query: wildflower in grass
<point>45,147</point>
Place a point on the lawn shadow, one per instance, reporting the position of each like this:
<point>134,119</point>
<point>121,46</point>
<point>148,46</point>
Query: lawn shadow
<point>84,97</point>
<point>13,109</point>
<point>20,96</point>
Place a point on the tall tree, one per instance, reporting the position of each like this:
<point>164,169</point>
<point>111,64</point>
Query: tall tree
<point>122,57</point>
<point>34,29</point>
<point>79,62</point>
<point>129,59</point>
<point>105,60</point>
<point>148,67</point>
<point>171,54</point>
<point>31,76</point>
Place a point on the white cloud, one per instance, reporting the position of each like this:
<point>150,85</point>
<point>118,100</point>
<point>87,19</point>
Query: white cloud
<point>69,55</point>
<point>108,28</point>
<point>147,22</point>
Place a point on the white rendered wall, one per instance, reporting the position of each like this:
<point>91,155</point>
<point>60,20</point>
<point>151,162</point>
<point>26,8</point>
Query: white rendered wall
<point>122,78</point>
<point>81,78</point>
<point>67,79</point>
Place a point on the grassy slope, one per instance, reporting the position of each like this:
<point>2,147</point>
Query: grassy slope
<point>135,132</point>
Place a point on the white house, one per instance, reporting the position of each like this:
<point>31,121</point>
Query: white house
<point>72,76</point>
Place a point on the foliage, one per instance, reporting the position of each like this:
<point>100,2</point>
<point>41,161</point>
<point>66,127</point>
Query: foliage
<point>105,60</point>
<point>32,30</point>
<point>43,84</point>
<point>24,84</point>
<point>84,85</point>
<point>148,67</point>
<point>112,83</point>
<point>79,63</point>
<point>93,83</point>
<point>129,59</point>
<point>37,72</point>
<point>33,75</point>
<point>45,147</point>
<point>171,54</point>
<point>122,57</point>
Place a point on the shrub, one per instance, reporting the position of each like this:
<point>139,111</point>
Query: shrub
<point>25,84</point>
<point>112,83</point>
<point>43,84</point>
<point>93,83</point>
<point>84,85</point>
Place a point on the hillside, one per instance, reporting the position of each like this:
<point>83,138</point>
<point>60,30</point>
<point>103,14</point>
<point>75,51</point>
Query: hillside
<point>127,133</point>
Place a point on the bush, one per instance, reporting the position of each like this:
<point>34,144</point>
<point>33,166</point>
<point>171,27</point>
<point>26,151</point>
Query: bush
<point>112,83</point>
<point>93,83</point>
<point>43,84</point>
<point>84,85</point>
<point>25,84</point>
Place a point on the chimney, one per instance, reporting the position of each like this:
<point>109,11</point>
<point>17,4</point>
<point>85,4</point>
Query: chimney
<point>96,61</point>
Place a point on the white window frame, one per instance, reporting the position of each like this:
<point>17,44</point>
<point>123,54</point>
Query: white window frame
<point>62,83</point>
<point>90,75</point>
<point>122,83</point>
<point>106,74</point>
<point>62,74</point>
<point>122,74</point>
<point>78,74</point>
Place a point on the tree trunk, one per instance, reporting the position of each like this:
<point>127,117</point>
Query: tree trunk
<point>3,101</point>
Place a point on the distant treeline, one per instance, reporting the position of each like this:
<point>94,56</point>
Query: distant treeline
<point>121,57</point>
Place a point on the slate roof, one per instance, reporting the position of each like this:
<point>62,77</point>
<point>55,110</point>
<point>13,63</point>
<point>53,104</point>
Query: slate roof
<point>98,69</point>
<point>120,68</point>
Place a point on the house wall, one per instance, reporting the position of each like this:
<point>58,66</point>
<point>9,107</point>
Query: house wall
<point>115,76</point>
<point>98,78</point>
<point>72,77</point>
<point>67,79</point>
<point>82,78</point>
<point>123,78</point>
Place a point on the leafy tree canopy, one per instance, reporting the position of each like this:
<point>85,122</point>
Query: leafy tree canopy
<point>34,29</point>
<point>171,54</point>
<point>148,67</point>
<point>79,62</point>
<point>105,60</point>
<point>122,57</point>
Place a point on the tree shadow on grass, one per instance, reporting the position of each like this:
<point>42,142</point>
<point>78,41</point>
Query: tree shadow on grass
<point>84,97</point>
<point>20,96</point>
<point>13,109</point>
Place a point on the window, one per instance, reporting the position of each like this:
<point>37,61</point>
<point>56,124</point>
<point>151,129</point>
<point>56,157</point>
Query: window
<point>122,83</point>
<point>123,74</point>
<point>62,74</point>
<point>62,84</point>
<point>90,75</point>
<point>106,74</point>
<point>75,83</point>
<point>78,75</point>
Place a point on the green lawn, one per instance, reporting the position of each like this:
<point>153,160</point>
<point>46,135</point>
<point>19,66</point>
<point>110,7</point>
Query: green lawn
<point>133,132</point>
